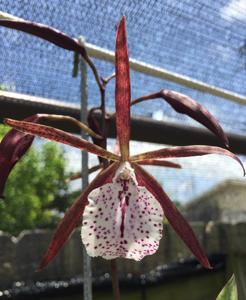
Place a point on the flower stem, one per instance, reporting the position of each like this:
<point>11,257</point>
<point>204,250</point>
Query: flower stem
<point>102,86</point>
<point>87,273</point>
<point>115,280</point>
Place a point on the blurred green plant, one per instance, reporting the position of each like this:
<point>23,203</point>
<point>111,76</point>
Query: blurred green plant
<point>37,191</point>
<point>229,292</point>
<point>3,87</point>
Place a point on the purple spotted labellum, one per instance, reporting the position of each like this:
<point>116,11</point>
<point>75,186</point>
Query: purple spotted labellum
<point>123,207</point>
<point>122,219</point>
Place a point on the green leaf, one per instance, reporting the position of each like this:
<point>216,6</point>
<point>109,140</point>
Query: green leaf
<point>229,291</point>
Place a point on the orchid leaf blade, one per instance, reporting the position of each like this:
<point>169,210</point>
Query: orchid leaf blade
<point>229,291</point>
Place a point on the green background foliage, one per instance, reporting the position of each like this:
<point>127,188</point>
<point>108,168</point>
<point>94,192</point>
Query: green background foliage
<point>229,292</point>
<point>36,193</point>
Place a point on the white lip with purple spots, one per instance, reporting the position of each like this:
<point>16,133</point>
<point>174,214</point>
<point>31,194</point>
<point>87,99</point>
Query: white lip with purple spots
<point>122,219</point>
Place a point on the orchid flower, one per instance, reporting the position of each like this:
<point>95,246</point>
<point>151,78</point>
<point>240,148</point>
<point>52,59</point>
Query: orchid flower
<point>123,208</point>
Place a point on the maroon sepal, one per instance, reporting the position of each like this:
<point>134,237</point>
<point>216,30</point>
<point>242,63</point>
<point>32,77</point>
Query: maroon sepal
<point>73,216</point>
<point>190,107</point>
<point>176,220</point>
<point>12,147</point>
<point>122,89</point>
<point>47,33</point>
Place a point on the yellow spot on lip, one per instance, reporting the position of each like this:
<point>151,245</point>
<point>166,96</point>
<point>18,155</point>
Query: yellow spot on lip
<point>125,175</point>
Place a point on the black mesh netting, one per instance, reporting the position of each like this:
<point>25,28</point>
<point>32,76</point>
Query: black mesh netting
<point>201,39</point>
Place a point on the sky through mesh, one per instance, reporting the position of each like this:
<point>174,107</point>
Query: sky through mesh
<point>201,39</point>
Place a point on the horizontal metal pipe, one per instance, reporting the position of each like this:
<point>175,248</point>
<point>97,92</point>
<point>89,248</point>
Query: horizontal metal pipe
<point>155,71</point>
<point>13,105</point>
<point>162,73</point>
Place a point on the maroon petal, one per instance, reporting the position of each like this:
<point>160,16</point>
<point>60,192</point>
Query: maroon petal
<point>188,106</point>
<point>160,163</point>
<point>12,147</point>
<point>185,151</point>
<point>174,217</point>
<point>47,33</point>
<point>122,89</point>
<point>60,136</point>
<point>73,215</point>
<point>90,171</point>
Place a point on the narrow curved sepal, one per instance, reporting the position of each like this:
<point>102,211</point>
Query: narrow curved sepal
<point>95,126</point>
<point>60,136</point>
<point>12,148</point>
<point>47,33</point>
<point>122,89</point>
<point>73,216</point>
<point>185,151</point>
<point>81,125</point>
<point>79,174</point>
<point>174,217</point>
<point>188,106</point>
<point>160,163</point>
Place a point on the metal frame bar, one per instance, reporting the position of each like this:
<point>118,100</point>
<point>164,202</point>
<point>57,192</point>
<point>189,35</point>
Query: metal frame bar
<point>18,105</point>
<point>155,71</point>
<point>162,73</point>
<point>13,105</point>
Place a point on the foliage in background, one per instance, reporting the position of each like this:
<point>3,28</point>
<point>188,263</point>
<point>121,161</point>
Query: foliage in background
<point>3,87</point>
<point>37,191</point>
<point>229,291</point>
